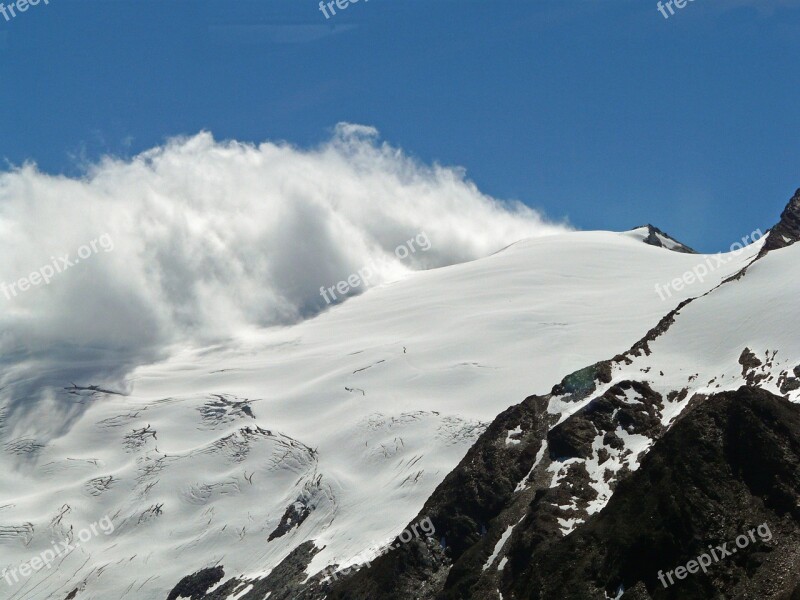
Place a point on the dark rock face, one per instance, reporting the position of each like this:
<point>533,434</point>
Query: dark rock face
<point>750,364</point>
<point>582,383</point>
<point>788,383</point>
<point>287,581</point>
<point>293,517</point>
<point>655,237</point>
<point>195,586</point>
<point>728,465</point>
<point>574,437</point>
<point>787,231</point>
<point>642,347</point>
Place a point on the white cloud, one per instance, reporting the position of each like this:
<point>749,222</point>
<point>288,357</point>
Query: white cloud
<point>213,237</point>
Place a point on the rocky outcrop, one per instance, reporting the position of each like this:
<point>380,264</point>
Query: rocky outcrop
<point>787,231</point>
<point>287,581</point>
<point>196,585</point>
<point>656,237</point>
<point>602,416</point>
<point>728,466</point>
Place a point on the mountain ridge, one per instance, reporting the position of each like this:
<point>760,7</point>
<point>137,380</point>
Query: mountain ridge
<point>288,462</point>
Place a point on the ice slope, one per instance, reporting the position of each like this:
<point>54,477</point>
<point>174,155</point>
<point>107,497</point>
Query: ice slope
<point>759,311</point>
<point>345,423</point>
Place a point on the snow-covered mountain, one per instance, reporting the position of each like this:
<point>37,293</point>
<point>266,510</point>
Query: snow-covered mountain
<point>269,465</point>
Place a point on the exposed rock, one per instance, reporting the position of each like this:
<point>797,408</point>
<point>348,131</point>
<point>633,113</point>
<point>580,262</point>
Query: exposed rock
<point>575,436</point>
<point>295,514</point>
<point>643,345</point>
<point>287,581</point>
<point>583,382</point>
<point>727,466</point>
<point>787,231</point>
<point>787,383</point>
<point>196,585</point>
<point>750,363</point>
<point>656,237</point>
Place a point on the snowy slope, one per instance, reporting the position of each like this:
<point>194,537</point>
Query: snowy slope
<point>705,350</point>
<point>740,333</point>
<point>350,420</point>
<point>758,311</point>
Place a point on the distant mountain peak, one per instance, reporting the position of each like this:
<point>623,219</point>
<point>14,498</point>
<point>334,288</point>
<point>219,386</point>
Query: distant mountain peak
<point>652,235</point>
<point>787,231</point>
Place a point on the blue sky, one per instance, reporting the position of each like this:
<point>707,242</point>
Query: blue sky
<point>599,111</point>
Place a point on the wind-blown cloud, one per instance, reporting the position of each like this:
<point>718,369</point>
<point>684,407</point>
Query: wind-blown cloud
<point>214,237</point>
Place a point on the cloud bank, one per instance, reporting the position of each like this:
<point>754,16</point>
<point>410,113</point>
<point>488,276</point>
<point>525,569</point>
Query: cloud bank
<point>210,238</point>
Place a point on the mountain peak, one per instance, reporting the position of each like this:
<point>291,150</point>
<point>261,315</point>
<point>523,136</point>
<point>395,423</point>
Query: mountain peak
<point>652,235</point>
<point>787,231</point>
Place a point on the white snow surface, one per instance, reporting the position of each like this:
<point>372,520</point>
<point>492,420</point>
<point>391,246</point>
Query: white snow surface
<point>357,414</point>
